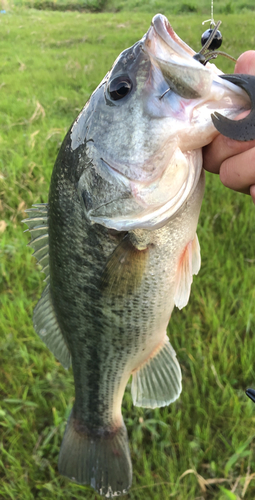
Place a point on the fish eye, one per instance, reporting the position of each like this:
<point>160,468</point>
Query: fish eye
<point>120,87</point>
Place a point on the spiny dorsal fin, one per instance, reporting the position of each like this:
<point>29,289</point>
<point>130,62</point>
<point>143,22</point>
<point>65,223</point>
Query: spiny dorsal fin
<point>45,320</point>
<point>38,227</point>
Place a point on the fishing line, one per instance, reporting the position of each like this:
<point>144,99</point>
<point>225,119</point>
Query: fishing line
<point>211,39</point>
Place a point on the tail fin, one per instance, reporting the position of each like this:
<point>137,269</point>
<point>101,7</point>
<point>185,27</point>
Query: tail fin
<point>99,459</point>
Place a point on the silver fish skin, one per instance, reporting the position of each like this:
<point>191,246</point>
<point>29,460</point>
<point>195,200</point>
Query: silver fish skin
<point>117,242</point>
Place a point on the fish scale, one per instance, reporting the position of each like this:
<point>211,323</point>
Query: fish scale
<point>117,242</point>
<point>121,324</point>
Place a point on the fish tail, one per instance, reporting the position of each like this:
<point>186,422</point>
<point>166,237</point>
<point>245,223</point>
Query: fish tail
<point>99,458</point>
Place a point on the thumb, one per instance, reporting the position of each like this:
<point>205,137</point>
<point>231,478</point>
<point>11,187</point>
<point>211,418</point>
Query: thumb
<point>246,63</point>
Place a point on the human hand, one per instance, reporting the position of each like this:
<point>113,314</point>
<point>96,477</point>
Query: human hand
<point>234,161</point>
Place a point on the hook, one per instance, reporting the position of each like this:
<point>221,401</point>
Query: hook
<point>239,130</point>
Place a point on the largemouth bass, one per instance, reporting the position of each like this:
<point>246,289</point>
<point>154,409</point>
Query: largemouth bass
<point>117,242</point>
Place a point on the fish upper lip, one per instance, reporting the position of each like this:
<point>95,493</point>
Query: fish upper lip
<point>164,29</point>
<point>184,75</point>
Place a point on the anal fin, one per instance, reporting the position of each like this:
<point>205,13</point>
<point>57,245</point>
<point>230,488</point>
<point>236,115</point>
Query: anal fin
<point>47,327</point>
<point>158,381</point>
<point>189,264</point>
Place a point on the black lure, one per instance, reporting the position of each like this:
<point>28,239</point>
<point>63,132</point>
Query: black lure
<point>251,394</point>
<point>244,129</point>
<point>216,41</point>
<point>211,40</point>
<point>240,130</point>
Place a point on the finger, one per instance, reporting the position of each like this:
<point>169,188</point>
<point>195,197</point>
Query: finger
<point>220,150</point>
<point>238,172</point>
<point>246,63</point>
<point>252,193</point>
<point>222,147</point>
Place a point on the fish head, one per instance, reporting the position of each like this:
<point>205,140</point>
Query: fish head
<point>138,139</point>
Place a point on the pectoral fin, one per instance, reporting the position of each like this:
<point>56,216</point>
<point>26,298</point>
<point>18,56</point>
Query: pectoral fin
<point>124,270</point>
<point>189,264</point>
<point>158,381</point>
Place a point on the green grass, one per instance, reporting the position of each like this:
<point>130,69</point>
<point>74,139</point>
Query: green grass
<point>201,7</point>
<point>201,447</point>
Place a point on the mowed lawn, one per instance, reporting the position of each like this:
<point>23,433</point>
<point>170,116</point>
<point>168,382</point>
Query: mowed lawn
<point>201,447</point>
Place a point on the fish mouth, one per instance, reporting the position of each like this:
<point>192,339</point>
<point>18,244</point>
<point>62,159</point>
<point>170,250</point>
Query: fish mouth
<point>187,77</point>
<point>164,29</point>
<point>184,75</point>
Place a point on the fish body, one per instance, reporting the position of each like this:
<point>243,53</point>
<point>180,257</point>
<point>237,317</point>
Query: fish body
<point>117,242</point>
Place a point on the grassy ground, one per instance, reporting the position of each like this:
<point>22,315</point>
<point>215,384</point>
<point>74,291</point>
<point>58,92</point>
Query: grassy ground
<point>175,6</point>
<point>201,447</point>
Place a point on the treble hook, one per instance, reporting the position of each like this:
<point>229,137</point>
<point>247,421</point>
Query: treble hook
<point>239,130</point>
<point>251,394</point>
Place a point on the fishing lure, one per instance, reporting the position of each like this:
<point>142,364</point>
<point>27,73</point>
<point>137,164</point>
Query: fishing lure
<point>251,394</point>
<point>239,130</point>
<point>242,130</point>
<point>211,40</point>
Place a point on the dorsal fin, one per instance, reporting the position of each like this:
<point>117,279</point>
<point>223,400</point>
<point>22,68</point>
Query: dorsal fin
<point>47,327</point>
<point>38,227</point>
<point>45,320</point>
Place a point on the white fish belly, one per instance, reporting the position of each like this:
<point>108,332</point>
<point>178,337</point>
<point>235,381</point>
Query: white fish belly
<point>144,316</point>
